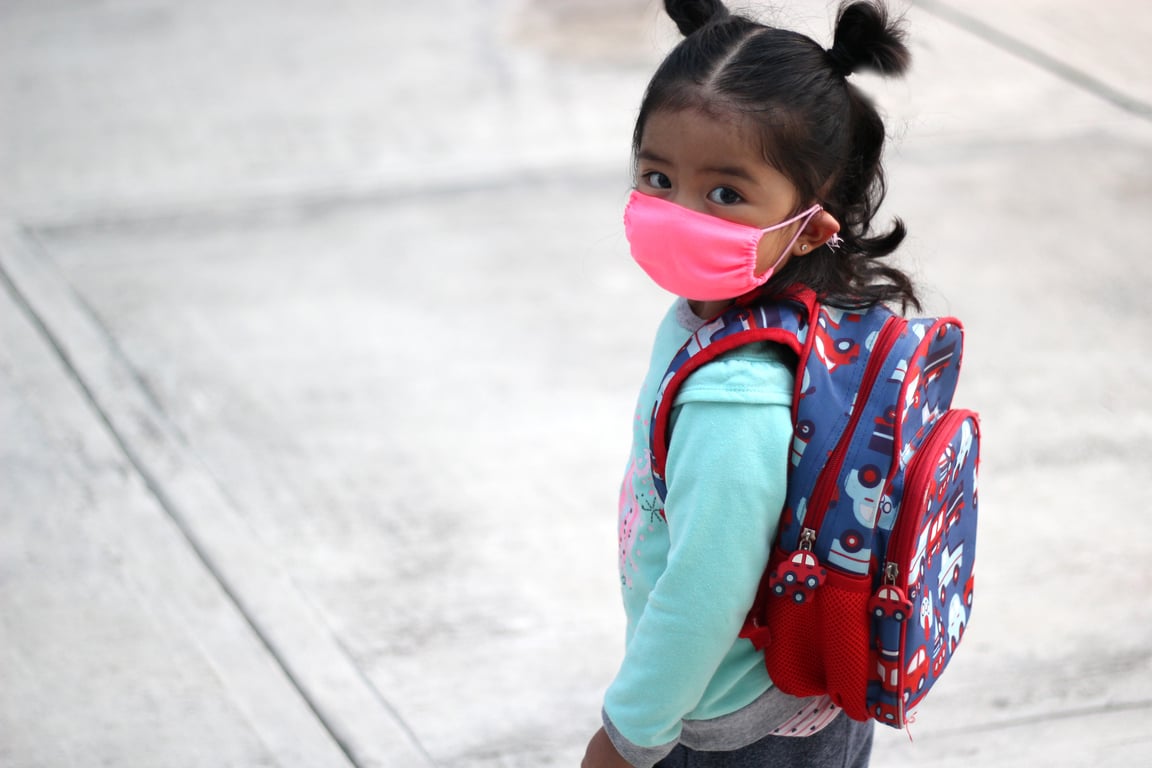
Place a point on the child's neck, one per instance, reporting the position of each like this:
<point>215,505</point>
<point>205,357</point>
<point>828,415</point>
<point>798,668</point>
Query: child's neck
<point>706,310</point>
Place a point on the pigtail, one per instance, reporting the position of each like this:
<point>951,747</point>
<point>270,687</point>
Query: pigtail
<point>691,15</point>
<point>866,39</point>
<point>855,197</point>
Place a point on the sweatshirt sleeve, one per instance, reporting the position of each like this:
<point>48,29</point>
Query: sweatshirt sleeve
<point>726,476</point>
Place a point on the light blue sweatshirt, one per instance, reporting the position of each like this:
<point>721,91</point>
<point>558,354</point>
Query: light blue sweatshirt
<point>689,573</point>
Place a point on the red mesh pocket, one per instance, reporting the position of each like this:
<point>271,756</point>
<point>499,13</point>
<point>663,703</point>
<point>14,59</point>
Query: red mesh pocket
<point>821,645</point>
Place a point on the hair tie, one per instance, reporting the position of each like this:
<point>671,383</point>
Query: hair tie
<point>840,62</point>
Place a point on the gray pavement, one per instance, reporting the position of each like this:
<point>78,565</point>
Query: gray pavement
<point>319,339</point>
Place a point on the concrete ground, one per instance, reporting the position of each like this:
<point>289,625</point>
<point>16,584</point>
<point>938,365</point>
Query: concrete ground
<point>319,339</point>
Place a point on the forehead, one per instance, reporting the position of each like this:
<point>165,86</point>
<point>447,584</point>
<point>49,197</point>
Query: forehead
<point>704,137</point>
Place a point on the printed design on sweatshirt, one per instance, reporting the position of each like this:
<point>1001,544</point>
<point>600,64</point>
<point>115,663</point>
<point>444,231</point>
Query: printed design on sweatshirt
<point>640,512</point>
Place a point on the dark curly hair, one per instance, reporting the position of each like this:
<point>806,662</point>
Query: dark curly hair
<point>816,128</point>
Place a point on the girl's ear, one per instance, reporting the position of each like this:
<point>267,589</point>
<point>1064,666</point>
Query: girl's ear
<point>820,229</point>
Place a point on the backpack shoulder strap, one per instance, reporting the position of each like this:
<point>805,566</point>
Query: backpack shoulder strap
<point>783,320</point>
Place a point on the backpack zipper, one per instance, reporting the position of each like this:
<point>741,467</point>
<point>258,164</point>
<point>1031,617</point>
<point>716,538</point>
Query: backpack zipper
<point>940,435</point>
<point>826,483</point>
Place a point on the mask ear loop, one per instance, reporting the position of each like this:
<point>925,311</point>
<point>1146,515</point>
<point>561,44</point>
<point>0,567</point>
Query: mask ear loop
<point>807,217</point>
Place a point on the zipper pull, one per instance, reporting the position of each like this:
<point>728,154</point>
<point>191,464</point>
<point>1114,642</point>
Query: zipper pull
<point>798,577</point>
<point>889,601</point>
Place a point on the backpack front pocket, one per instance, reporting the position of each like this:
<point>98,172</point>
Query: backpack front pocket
<point>820,644</point>
<point>928,569</point>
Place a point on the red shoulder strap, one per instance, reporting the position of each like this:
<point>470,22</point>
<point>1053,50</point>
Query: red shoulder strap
<point>781,319</point>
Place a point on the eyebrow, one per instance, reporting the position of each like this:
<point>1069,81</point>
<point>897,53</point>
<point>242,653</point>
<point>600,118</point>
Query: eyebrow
<point>731,170</point>
<point>646,154</point>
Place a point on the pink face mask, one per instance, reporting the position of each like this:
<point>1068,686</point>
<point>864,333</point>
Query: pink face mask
<point>698,256</point>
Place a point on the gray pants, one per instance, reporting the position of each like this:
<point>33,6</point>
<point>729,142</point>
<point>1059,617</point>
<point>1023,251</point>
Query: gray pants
<point>844,743</point>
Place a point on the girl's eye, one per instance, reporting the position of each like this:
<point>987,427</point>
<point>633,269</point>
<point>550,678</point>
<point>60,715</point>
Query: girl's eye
<point>658,180</point>
<point>725,196</point>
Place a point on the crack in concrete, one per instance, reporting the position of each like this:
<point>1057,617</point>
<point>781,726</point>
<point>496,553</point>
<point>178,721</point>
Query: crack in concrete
<point>1037,57</point>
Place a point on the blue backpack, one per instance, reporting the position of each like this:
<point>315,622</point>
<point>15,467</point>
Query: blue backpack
<point>869,586</point>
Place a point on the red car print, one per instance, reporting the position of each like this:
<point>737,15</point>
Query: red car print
<point>832,351</point>
<point>935,537</point>
<point>836,352</point>
<point>917,673</point>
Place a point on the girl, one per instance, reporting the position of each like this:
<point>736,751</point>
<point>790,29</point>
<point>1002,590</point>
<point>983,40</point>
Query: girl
<point>757,167</point>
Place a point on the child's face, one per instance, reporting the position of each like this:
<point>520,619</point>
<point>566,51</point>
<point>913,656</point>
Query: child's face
<point>714,165</point>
